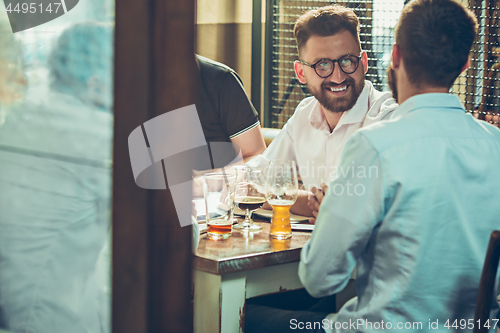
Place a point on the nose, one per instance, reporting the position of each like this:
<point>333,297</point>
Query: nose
<point>337,76</point>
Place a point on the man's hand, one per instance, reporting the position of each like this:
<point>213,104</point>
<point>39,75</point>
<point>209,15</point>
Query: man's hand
<point>315,200</point>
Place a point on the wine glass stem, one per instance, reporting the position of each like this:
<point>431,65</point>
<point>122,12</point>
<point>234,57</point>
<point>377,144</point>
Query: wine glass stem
<point>248,215</point>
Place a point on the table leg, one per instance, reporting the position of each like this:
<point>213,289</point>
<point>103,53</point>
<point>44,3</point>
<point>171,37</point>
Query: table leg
<point>219,302</point>
<point>206,290</point>
<point>233,298</point>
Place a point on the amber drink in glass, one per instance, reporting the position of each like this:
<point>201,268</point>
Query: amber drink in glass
<point>218,190</point>
<point>281,194</point>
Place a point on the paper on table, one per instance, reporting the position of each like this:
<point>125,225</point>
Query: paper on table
<point>199,205</point>
<point>302,227</point>
<point>203,228</point>
<point>298,222</point>
<point>267,214</point>
<point>296,226</point>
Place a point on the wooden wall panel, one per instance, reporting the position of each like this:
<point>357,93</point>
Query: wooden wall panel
<point>154,74</point>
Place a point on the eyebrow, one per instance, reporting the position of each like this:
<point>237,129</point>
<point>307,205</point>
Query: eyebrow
<point>348,54</point>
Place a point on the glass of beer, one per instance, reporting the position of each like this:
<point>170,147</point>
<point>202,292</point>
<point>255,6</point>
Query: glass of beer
<point>282,189</point>
<point>250,195</point>
<point>218,190</point>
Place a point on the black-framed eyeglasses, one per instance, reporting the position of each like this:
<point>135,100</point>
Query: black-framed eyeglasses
<point>324,67</point>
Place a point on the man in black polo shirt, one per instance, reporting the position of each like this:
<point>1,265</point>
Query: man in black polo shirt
<point>225,112</point>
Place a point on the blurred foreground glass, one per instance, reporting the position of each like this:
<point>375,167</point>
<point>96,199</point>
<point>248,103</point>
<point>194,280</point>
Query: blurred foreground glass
<point>250,195</point>
<point>218,190</point>
<point>56,140</point>
<point>281,193</point>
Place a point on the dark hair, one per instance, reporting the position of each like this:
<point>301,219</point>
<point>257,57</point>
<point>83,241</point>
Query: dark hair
<point>435,38</point>
<point>326,21</point>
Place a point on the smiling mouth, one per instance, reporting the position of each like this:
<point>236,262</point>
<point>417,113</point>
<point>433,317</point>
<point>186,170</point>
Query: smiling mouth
<point>337,89</point>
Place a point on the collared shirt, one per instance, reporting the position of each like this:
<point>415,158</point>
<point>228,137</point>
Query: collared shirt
<point>413,211</point>
<point>307,140</point>
<point>223,106</point>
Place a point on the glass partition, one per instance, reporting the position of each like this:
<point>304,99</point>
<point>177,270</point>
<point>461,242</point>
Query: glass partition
<point>56,131</point>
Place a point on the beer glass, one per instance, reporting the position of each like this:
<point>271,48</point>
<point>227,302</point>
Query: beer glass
<point>250,195</point>
<point>281,193</point>
<point>218,190</point>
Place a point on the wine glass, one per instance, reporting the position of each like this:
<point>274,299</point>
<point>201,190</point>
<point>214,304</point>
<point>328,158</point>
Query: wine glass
<point>282,189</point>
<point>249,195</point>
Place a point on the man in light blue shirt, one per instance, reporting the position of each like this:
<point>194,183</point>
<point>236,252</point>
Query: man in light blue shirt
<point>416,198</point>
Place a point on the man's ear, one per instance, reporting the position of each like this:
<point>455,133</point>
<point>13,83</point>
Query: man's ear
<point>396,56</point>
<point>364,61</point>
<point>467,64</point>
<point>299,71</point>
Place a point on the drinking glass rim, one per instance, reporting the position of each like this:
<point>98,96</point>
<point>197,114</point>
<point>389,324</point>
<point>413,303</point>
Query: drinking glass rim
<point>220,174</point>
<point>236,167</point>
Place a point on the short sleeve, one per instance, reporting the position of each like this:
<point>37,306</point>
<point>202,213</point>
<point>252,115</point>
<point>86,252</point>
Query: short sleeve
<point>237,113</point>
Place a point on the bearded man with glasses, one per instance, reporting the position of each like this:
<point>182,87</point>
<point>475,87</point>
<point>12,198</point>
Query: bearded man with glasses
<point>333,67</point>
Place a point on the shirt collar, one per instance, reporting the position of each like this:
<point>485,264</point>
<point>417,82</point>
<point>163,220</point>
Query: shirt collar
<point>358,112</point>
<point>431,100</point>
<point>355,115</point>
<point>317,118</point>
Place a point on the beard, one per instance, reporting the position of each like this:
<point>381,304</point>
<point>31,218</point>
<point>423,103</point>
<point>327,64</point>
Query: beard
<point>338,104</point>
<point>391,82</point>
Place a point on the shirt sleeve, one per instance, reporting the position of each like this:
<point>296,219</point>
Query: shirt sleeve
<point>350,211</point>
<point>382,109</point>
<point>282,147</point>
<point>237,113</point>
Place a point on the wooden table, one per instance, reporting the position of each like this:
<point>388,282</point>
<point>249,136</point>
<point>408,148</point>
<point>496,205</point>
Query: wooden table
<point>246,265</point>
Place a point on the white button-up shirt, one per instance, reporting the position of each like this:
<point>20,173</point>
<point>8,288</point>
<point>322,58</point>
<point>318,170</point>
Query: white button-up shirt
<point>306,137</point>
